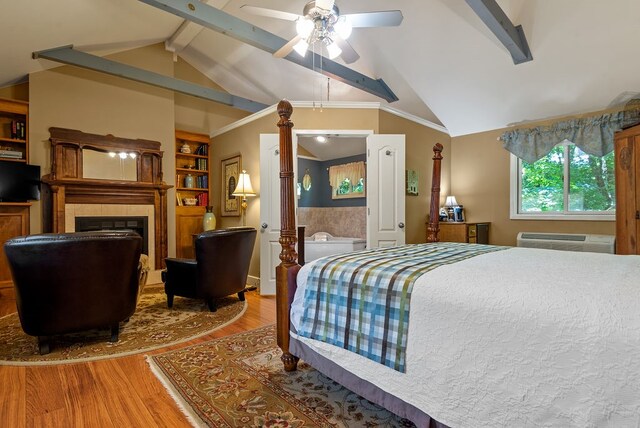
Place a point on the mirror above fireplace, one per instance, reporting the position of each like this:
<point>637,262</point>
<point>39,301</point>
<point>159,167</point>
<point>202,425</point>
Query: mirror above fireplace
<point>109,165</point>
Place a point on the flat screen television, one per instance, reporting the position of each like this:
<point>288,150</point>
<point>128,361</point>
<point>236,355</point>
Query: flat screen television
<point>19,182</point>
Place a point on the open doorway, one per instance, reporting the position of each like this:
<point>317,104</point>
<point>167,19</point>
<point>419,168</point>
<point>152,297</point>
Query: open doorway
<point>383,194</point>
<point>332,188</point>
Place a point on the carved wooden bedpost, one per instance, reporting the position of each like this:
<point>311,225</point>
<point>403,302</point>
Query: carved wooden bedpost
<point>434,209</point>
<point>287,234</point>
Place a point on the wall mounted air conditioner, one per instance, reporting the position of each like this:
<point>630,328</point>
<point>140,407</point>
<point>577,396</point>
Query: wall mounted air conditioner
<point>568,242</point>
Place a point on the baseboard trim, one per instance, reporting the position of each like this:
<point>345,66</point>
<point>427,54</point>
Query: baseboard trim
<point>253,281</point>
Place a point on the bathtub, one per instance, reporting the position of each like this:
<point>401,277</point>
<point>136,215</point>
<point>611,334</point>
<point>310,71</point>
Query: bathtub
<point>322,244</point>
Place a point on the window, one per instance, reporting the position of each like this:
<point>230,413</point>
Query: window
<point>346,189</point>
<point>587,193</point>
<point>347,180</point>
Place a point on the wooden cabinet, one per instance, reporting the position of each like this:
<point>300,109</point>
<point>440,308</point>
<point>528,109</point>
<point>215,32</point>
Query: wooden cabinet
<point>472,233</point>
<point>627,151</point>
<point>14,131</point>
<point>14,221</point>
<point>188,222</point>
<point>192,162</point>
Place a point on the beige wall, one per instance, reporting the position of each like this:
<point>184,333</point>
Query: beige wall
<point>419,153</point>
<point>198,115</point>
<point>480,182</point>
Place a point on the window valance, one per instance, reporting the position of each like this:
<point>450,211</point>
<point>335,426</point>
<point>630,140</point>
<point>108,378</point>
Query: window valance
<point>354,171</point>
<point>593,135</point>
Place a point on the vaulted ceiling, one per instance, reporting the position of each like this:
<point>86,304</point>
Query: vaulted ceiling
<point>442,62</point>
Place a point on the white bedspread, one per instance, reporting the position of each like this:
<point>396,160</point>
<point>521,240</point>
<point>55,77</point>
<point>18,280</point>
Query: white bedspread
<point>515,338</point>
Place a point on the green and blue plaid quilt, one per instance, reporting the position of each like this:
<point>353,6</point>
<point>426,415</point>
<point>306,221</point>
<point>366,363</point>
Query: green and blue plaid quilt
<point>360,301</point>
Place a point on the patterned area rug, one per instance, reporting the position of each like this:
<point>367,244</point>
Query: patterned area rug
<point>152,326</point>
<point>238,381</point>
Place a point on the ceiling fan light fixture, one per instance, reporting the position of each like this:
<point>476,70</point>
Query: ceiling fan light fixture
<point>301,47</point>
<point>304,27</point>
<point>343,28</point>
<point>334,50</point>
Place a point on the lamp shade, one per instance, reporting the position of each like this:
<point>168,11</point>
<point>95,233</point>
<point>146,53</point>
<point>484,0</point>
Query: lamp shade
<point>244,187</point>
<point>451,202</point>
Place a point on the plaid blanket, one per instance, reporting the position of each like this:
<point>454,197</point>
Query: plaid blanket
<point>360,301</point>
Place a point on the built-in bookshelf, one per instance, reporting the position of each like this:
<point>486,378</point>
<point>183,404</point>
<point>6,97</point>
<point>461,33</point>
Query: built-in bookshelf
<point>192,168</point>
<point>14,147</point>
<point>195,163</point>
<point>14,135</point>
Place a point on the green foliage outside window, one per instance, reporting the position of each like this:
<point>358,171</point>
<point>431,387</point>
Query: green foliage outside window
<point>591,186</point>
<point>346,188</point>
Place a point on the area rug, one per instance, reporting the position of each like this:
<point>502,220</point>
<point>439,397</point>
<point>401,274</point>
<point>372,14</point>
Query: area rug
<point>238,381</point>
<point>152,326</point>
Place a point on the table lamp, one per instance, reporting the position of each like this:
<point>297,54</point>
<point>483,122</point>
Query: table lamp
<point>244,189</point>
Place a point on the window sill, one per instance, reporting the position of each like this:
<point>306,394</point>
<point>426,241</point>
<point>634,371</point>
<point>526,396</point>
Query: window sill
<point>564,217</point>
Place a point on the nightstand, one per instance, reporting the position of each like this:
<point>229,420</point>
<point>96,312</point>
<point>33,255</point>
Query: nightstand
<point>473,233</point>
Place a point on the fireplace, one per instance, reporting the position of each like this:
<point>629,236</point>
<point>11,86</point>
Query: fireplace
<point>136,224</point>
<point>68,194</point>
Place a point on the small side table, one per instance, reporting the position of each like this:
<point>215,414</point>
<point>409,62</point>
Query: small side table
<point>472,233</point>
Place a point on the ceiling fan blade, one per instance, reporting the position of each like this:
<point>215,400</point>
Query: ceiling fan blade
<point>270,13</point>
<point>385,18</point>
<point>286,49</point>
<point>348,55</point>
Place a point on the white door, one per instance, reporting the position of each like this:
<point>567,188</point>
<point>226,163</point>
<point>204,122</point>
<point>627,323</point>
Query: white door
<point>270,210</point>
<point>385,190</point>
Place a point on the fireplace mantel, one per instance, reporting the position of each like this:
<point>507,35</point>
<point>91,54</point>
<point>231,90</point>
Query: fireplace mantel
<point>66,185</point>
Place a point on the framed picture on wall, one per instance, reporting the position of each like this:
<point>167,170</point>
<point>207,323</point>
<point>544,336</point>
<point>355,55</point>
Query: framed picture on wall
<point>412,182</point>
<point>231,167</point>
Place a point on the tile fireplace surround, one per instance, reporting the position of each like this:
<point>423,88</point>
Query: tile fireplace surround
<point>111,210</point>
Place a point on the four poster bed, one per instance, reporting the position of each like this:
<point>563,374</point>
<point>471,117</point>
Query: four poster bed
<point>498,336</point>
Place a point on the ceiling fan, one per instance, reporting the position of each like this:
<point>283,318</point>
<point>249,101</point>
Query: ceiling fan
<point>321,21</point>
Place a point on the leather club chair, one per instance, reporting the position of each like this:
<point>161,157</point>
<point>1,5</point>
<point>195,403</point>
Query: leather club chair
<point>220,268</point>
<point>72,282</point>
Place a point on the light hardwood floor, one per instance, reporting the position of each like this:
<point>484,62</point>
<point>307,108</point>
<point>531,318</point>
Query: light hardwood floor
<point>118,392</point>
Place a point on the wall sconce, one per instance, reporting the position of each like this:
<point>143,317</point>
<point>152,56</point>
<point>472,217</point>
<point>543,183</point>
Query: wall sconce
<point>306,180</point>
<point>244,189</point>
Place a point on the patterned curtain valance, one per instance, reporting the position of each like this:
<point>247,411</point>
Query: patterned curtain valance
<point>354,171</point>
<point>594,135</point>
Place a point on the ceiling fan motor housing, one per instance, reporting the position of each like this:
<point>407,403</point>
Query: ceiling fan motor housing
<point>323,20</point>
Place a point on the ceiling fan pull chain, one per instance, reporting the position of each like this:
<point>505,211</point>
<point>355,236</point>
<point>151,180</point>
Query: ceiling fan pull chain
<point>313,84</point>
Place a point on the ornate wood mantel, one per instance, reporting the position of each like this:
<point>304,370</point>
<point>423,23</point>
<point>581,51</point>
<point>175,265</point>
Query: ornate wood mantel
<point>66,185</point>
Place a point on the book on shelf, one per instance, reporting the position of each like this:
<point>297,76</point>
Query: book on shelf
<point>10,154</point>
<point>203,199</point>
<point>202,150</point>
<point>18,130</point>
<point>201,164</point>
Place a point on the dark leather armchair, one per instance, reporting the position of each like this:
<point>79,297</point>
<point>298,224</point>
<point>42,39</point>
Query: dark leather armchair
<point>220,268</point>
<point>73,282</point>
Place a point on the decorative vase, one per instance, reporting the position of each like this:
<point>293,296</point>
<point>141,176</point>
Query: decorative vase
<point>186,149</point>
<point>209,220</point>
<point>188,181</point>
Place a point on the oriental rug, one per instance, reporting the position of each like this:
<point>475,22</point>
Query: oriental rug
<point>238,381</point>
<point>152,326</point>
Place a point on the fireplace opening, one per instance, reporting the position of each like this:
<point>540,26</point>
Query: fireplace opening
<point>136,224</point>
